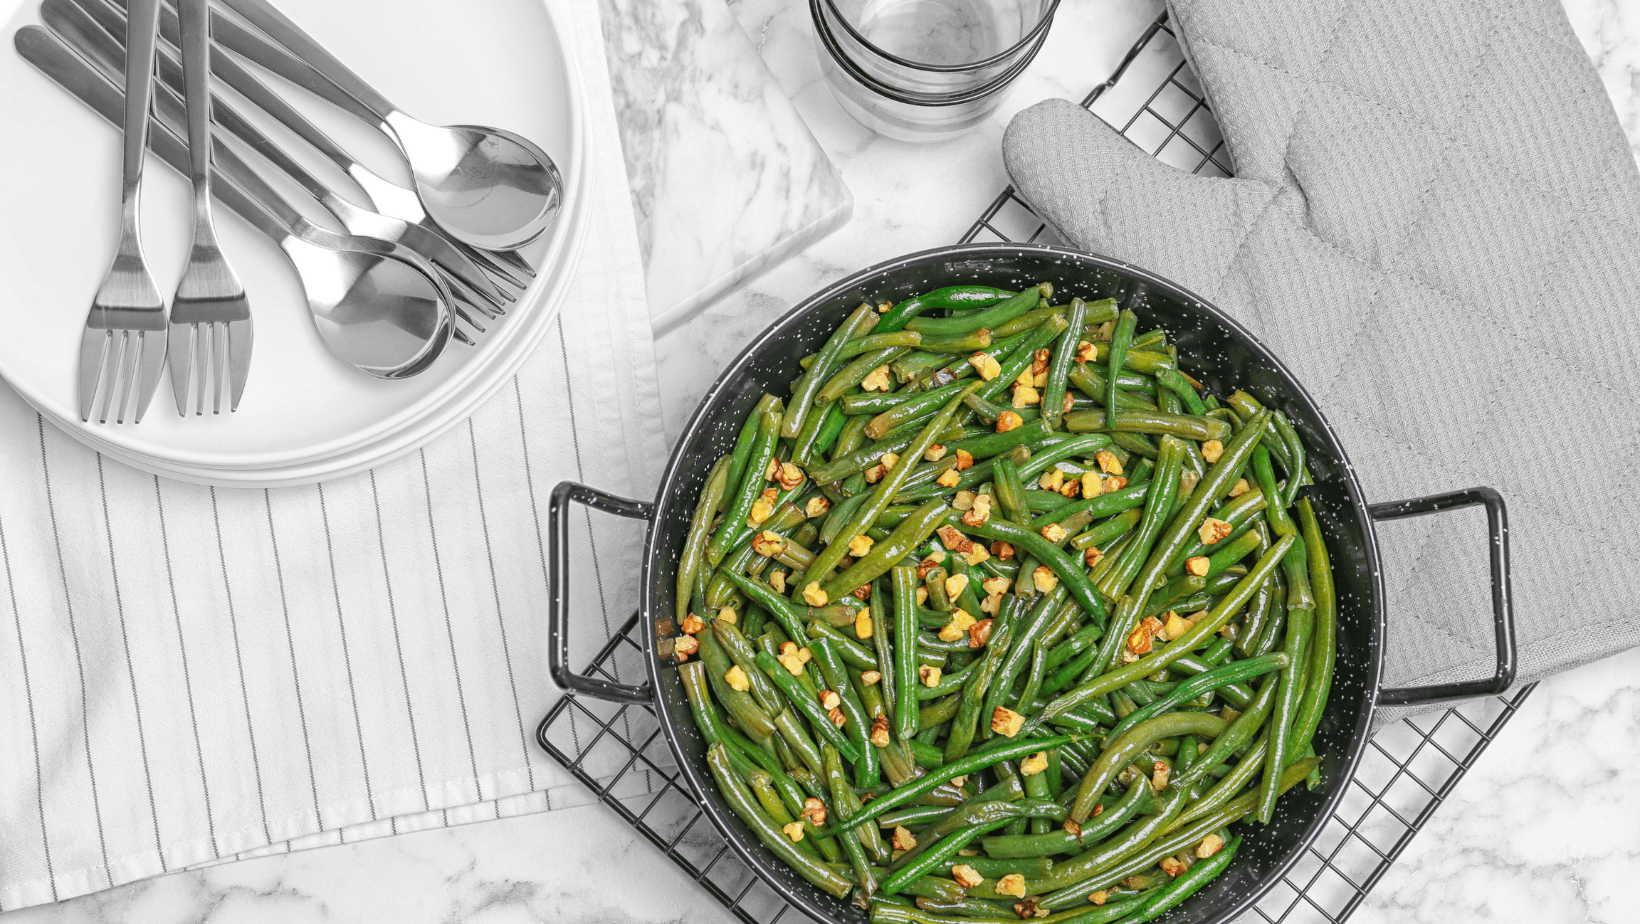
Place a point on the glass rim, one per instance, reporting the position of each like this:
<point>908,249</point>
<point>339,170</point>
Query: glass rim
<point>910,98</point>
<point>1041,25</point>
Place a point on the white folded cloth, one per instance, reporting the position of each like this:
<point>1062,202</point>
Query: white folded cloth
<point>190,675</point>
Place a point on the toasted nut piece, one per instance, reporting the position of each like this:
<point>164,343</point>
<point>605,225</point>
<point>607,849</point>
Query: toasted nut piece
<point>889,460</point>
<point>1071,487</point>
<point>837,718</point>
<point>966,876</point>
<point>935,452</point>
<point>790,476</point>
<point>1187,482</point>
<point>1112,483</point>
<point>1040,381</point>
<point>1025,377</point>
<point>1034,764</point>
<point>1067,403</point>
<point>1212,449</point>
<point>777,580</point>
<point>1086,352</point>
<point>1138,641</point>
<point>1009,420</point>
<point>829,699</point>
<point>773,470</point>
<point>986,365</point>
<point>961,619</point>
<point>922,596</point>
<point>875,473</point>
<point>1011,884</point>
<point>1004,551</point>
<point>814,596</point>
<point>1044,579</point>
<point>1197,565</point>
<point>1213,530</point>
<point>792,663</point>
<point>1099,897</point>
<point>929,675</point>
<point>1172,866</point>
<point>1026,395</point>
<point>876,380</point>
<point>1158,776</point>
<point>979,512</point>
<point>692,624</point>
<point>948,478</point>
<point>991,604</point>
<point>963,501</point>
<point>955,585</point>
<point>1072,828</point>
<point>1092,556</point>
<point>1005,721</point>
<point>1040,360</point>
<point>1128,657</point>
<point>879,728</point>
<point>794,831</point>
<point>953,539</point>
<point>815,811</point>
<point>804,654</point>
<point>902,839</point>
<point>1108,463</point>
<point>1176,625</point>
<point>1029,909</point>
<point>768,544</point>
<point>685,646</point>
<point>995,585</point>
<point>863,627</point>
<point>1210,845</point>
<point>884,307</point>
<point>1241,487</point>
<point>979,633</point>
<point>965,460</point>
<point>870,677</point>
<point>762,508</point>
<point>1053,532</point>
<point>949,633</point>
<point>817,506</point>
<point>860,545</point>
<point>1092,484</point>
<point>737,679</point>
<point>929,564</point>
<point>1052,480</point>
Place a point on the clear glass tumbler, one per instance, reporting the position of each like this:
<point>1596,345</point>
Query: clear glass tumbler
<point>925,70</point>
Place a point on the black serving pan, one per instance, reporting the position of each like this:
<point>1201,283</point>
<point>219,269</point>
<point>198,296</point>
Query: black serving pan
<point>1216,350</point>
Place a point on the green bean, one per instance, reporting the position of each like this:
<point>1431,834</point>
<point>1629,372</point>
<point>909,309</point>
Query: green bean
<point>1132,839</point>
<point>751,483</point>
<point>992,444</point>
<point>856,371</point>
<point>903,579</point>
<point>1022,357</point>
<point>806,704</point>
<point>940,853</point>
<point>803,392</point>
<point>1120,341</point>
<point>991,317</point>
<point>963,725</point>
<point>1053,393</point>
<point>1084,445</point>
<point>741,802</point>
<point>962,343</point>
<point>741,455</point>
<point>1011,492</point>
<point>1029,629</point>
<point>1091,382</point>
<point>911,532</point>
<point>1100,506</point>
<point>1158,503</point>
<point>1092,832</point>
<point>949,297</point>
<point>1323,651</point>
<point>700,527</point>
<point>1300,623</point>
<point>1234,672</point>
<point>1033,544</point>
<point>854,846</point>
<point>852,652</point>
<point>1123,750</point>
<point>740,705</point>
<point>837,680</point>
<point>1141,421</point>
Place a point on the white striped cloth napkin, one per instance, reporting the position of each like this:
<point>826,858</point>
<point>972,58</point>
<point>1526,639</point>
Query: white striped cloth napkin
<point>190,675</point>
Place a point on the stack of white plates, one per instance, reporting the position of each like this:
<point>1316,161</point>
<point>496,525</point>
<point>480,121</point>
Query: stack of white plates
<point>305,416</point>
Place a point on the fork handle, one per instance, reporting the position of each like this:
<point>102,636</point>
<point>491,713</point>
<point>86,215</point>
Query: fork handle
<point>142,30</point>
<point>279,27</point>
<point>196,84</point>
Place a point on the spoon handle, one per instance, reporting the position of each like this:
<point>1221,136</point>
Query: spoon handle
<point>281,29</point>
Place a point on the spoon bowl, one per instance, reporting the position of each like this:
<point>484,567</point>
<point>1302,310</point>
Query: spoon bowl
<point>377,313</point>
<point>489,187</point>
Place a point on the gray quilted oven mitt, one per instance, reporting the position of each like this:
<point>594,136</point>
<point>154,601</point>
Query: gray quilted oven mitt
<point>1435,222</point>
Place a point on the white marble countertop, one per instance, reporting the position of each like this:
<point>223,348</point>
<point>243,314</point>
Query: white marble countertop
<point>1542,829</point>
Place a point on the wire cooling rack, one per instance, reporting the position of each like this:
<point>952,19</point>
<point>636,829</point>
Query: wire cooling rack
<point>1406,773</point>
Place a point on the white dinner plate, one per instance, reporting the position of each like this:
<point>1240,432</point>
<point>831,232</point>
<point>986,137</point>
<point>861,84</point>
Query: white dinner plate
<point>498,62</point>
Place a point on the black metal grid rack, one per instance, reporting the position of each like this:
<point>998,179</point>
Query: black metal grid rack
<point>1406,773</point>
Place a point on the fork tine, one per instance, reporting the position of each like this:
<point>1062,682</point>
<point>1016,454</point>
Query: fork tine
<point>179,354</point>
<point>219,365</point>
<point>149,357</point>
<point>120,374</point>
<point>239,337</point>
<point>93,356</point>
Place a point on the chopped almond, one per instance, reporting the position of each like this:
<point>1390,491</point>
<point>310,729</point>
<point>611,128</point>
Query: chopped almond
<point>991,604</point>
<point>955,585</point>
<point>1212,449</point>
<point>794,831</point>
<point>1028,908</point>
<point>879,730</point>
<point>1025,396</point>
<point>737,680</point>
<point>965,460</point>
<point>1176,625</point>
<point>875,473</point>
<point>1072,828</point>
<point>979,633</point>
<point>889,460</point>
<point>804,654</point>
<point>1108,463</point>
<point>1092,484</point>
<point>929,564</point>
<point>1025,377</point>
<point>1005,721</point>
<point>1092,556</point>
<point>1071,487</point>
<point>1197,565</point>
<point>685,646</point>
<point>1067,403</point>
<point>1054,533</point>
<point>948,478</point>
<point>1011,884</point>
<point>966,876</point>
<point>860,545</point>
<point>693,624</point>
<point>772,471</point>
<point>986,365</point>
<point>1034,764</point>
<point>768,544</point>
<point>777,580</point>
<point>1241,487</point>
<point>762,508</point>
<point>935,452</point>
<point>964,501</point>
<point>792,663</point>
<point>952,538</point>
<point>1086,352</point>
<point>1112,483</point>
<point>829,699</point>
<point>1211,844</point>
<point>1044,579</point>
<point>995,585</point>
<point>1098,897</point>
<point>1106,331</point>
<point>929,675</point>
<point>1172,866</point>
<point>1009,420</point>
<point>862,624</point>
<point>884,307</point>
<point>790,476</point>
<point>1158,776</point>
<point>1052,480</point>
<point>902,839</point>
<point>1213,530</point>
<point>979,512</point>
<point>817,506</point>
<point>869,678</point>
<point>815,811</point>
<point>876,380</point>
<point>922,596</point>
<point>814,596</point>
<point>1004,551</point>
<point>837,717</point>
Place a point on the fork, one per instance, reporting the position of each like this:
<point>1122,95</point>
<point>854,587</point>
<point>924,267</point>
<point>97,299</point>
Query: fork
<point>210,334</point>
<point>122,349</point>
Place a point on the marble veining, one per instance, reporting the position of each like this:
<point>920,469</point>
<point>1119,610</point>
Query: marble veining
<point>1541,831</point>
<point>726,177</point>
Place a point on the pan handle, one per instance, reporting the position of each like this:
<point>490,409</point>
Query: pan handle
<point>1503,612</point>
<point>558,590</point>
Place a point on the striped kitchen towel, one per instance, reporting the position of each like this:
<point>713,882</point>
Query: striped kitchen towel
<point>190,675</point>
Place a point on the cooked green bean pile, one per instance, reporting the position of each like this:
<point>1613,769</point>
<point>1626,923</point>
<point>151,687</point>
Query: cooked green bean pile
<point>999,615</point>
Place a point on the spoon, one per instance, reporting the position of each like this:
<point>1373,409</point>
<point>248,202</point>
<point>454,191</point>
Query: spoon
<point>491,188</point>
<point>75,26</point>
<point>378,306</point>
